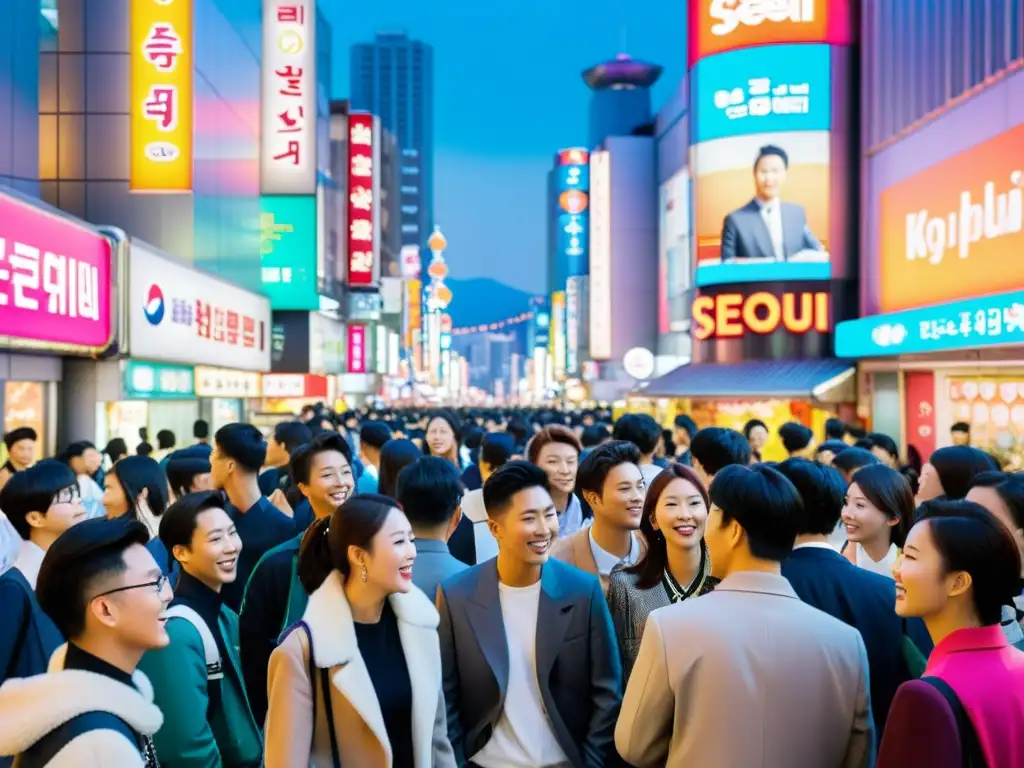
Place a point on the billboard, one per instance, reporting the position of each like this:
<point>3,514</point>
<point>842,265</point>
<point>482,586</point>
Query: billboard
<point>600,283</point>
<point>762,90</point>
<point>289,251</point>
<point>572,186</point>
<point>955,230</point>
<point>357,353</point>
<point>288,98</point>
<point>716,26</point>
<point>761,208</point>
<point>736,314</point>
<point>157,381</point>
<point>674,254</point>
<point>573,298</point>
<point>557,342</point>
<point>161,87</point>
<point>363,211</point>
<point>573,156</point>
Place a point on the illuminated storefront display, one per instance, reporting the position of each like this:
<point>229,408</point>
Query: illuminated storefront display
<point>732,315</point>
<point>363,190</point>
<point>161,87</point>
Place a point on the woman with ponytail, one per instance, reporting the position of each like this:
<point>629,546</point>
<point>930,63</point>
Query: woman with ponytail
<point>357,683</point>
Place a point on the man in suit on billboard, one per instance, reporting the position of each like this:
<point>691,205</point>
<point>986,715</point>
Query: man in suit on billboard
<point>766,227</point>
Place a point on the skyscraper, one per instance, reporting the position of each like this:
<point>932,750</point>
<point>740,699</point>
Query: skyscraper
<point>393,77</point>
<point>622,96</point>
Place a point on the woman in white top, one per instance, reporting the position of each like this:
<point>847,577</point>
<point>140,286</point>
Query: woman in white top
<point>879,511</point>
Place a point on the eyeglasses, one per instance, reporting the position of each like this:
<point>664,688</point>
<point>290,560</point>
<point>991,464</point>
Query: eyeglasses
<point>68,495</point>
<point>157,585</point>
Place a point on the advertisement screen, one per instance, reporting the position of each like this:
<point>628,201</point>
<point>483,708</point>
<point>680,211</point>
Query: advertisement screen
<point>572,183</point>
<point>674,251</point>
<point>724,25</point>
<point>761,206</point>
<point>288,251</point>
<point>762,90</point>
<point>955,230</point>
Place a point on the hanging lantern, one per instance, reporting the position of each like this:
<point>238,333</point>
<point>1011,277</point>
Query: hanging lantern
<point>437,241</point>
<point>438,270</point>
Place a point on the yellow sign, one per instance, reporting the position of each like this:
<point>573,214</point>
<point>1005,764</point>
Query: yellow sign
<point>161,92</point>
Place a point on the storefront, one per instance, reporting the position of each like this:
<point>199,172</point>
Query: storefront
<point>56,302</point>
<point>941,338</point>
<point>285,394</point>
<point>197,347</point>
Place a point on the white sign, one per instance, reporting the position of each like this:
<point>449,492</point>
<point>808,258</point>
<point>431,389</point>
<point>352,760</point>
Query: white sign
<point>219,382</point>
<point>284,385</point>
<point>411,263</point>
<point>177,314</point>
<point>600,256</point>
<point>639,363</point>
<point>751,13</point>
<point>288,98</point>
<point>572,322</point>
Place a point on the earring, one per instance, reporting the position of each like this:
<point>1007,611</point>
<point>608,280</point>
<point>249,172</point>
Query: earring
<point>362,573</point>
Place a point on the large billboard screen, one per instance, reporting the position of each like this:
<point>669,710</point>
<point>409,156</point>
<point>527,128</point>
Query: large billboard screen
<point>762,90</point>
<point>674,254</point>
<point>761,208</point>
<point>716,26</point>
<point>956,230</point>
<point>572,187</point>
<point>288,251</point>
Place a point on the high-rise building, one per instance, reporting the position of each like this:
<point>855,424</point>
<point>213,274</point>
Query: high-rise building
<point>622,96</point>
<point>393,77</point>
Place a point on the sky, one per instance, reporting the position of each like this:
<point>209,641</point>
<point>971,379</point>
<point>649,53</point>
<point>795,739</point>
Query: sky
<point>507,95</point>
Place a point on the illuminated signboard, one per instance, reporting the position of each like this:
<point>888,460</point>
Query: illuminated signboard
<point>572,323</point>
<point>161,87</point>
<point>674,254</point>
<point>557,342</point>
<point>362,196</point>
<point>157,381</point>
<point>288,251</point>
<point>732,315</point>
<point>414,320</point>
<point>573,186</point>
<point>288,98</point>
<point>971,323</point>
<point>569,177</point>
<point>573,156</point>
<point>762,90</point>
<point>600,256</point>
<point>716,26</point>
<point>956,230</point>
<point>357,353</point>
<point>741,238</point>
<point>221,382</point>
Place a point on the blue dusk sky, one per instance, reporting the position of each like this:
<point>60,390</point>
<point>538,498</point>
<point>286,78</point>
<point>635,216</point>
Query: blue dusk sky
<point>507,95</point>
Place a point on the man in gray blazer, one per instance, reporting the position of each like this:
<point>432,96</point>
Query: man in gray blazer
<point>748,674</point>
<point>532,675</point>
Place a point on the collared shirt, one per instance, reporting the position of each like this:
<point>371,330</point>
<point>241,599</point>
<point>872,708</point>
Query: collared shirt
<point>10,543</point>
<point>29,560</point>
<point>814,545</point>
<point>606,561</point>
<point>434,563</point>
<point>368,481</point>
<point>571,520</point>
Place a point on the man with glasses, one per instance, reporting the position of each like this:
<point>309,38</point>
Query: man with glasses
<point>106,594</point>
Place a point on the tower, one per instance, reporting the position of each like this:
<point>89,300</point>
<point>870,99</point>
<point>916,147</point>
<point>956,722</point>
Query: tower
<point>621,101</point>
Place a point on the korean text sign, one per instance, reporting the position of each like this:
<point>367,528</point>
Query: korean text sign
<point>955,230</point>
<point>357,349</point>
<point>762,90</point>
<point>178,314</point>
<point>716,26</point>
<point>161,67</point>
<point>56,282</point>
<point>573,190</point>
<point>361,203</point>
<point>288,251</point>
<point>288,160</point>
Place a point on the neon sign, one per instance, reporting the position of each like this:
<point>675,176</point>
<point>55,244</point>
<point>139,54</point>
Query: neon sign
<point>732,315</point>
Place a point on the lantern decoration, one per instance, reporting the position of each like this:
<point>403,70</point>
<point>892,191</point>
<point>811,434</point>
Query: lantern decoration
<point>439,295</point>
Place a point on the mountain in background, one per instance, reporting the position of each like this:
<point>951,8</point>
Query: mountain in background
<point>481,300</point>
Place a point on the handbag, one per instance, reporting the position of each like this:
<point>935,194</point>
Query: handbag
<point>323,675</point>
<point>970,747</point>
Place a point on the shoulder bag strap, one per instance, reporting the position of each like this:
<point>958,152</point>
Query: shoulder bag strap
<point>970,747</point>
<point>325,685</point>
<point>214,664</point>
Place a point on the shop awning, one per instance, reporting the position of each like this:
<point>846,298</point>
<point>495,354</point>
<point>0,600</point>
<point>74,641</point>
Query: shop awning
<point>823,380</point>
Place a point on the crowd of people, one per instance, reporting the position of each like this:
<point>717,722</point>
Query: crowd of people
<point>510,589</point>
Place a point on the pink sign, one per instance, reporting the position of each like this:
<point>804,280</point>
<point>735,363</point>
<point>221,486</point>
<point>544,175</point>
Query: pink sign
<point>56,281</point>
<point>357,349</point>
<point>360,199</point>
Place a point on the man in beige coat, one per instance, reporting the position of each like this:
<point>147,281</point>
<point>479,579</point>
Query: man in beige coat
<point>748,675</point>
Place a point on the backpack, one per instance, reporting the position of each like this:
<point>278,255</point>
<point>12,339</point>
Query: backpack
<point>971,754</point>
<point>214,663</point>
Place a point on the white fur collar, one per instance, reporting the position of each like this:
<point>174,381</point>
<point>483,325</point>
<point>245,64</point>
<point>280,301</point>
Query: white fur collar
<point>32,707</point>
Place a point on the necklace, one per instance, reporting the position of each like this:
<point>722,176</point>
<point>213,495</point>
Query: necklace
<point>677,593</point>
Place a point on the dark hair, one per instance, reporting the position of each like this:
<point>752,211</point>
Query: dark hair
<point>717,448</point>
<point>795,436</point>
<point>853,459</point>
<point>822,490</point>
<point>594,469</point>
<point>649,568</point>
<point>301,463</point>
<point>835,446</point>
<point>179,521</point>
<point>640,429</point>
<point>33,490</point>
<point>553,433</point>
<point>506,482</point>
<point>76,449</point>
<point>834,429</point>
<point>80,564</point>
<point>961,426</point>
<point>292,434</point>
<point>394,457</point>
<point>519,429</point>
<point>969,538</point>
<point>201,429</point>
<point>683,421</point>
<point>890,493</point>
<point>886,443</point>
<point>325,544</point>
<point>141,473</point>
<point>497,449</point>
<point>244,444</point>
<point>18,434</point>
<point>182,467</point>
<point>957,465</point>
<point>751,425</point>
<point>116,448</point>
<point>1009,487</point>
<point>593,436</point>
<point>769,150</point>
<point>143,449</point>
<point>165,439</point>
<point>766,505</point>
<point>374,434</point>
<point>429,490</point>
<point>865,444</point>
